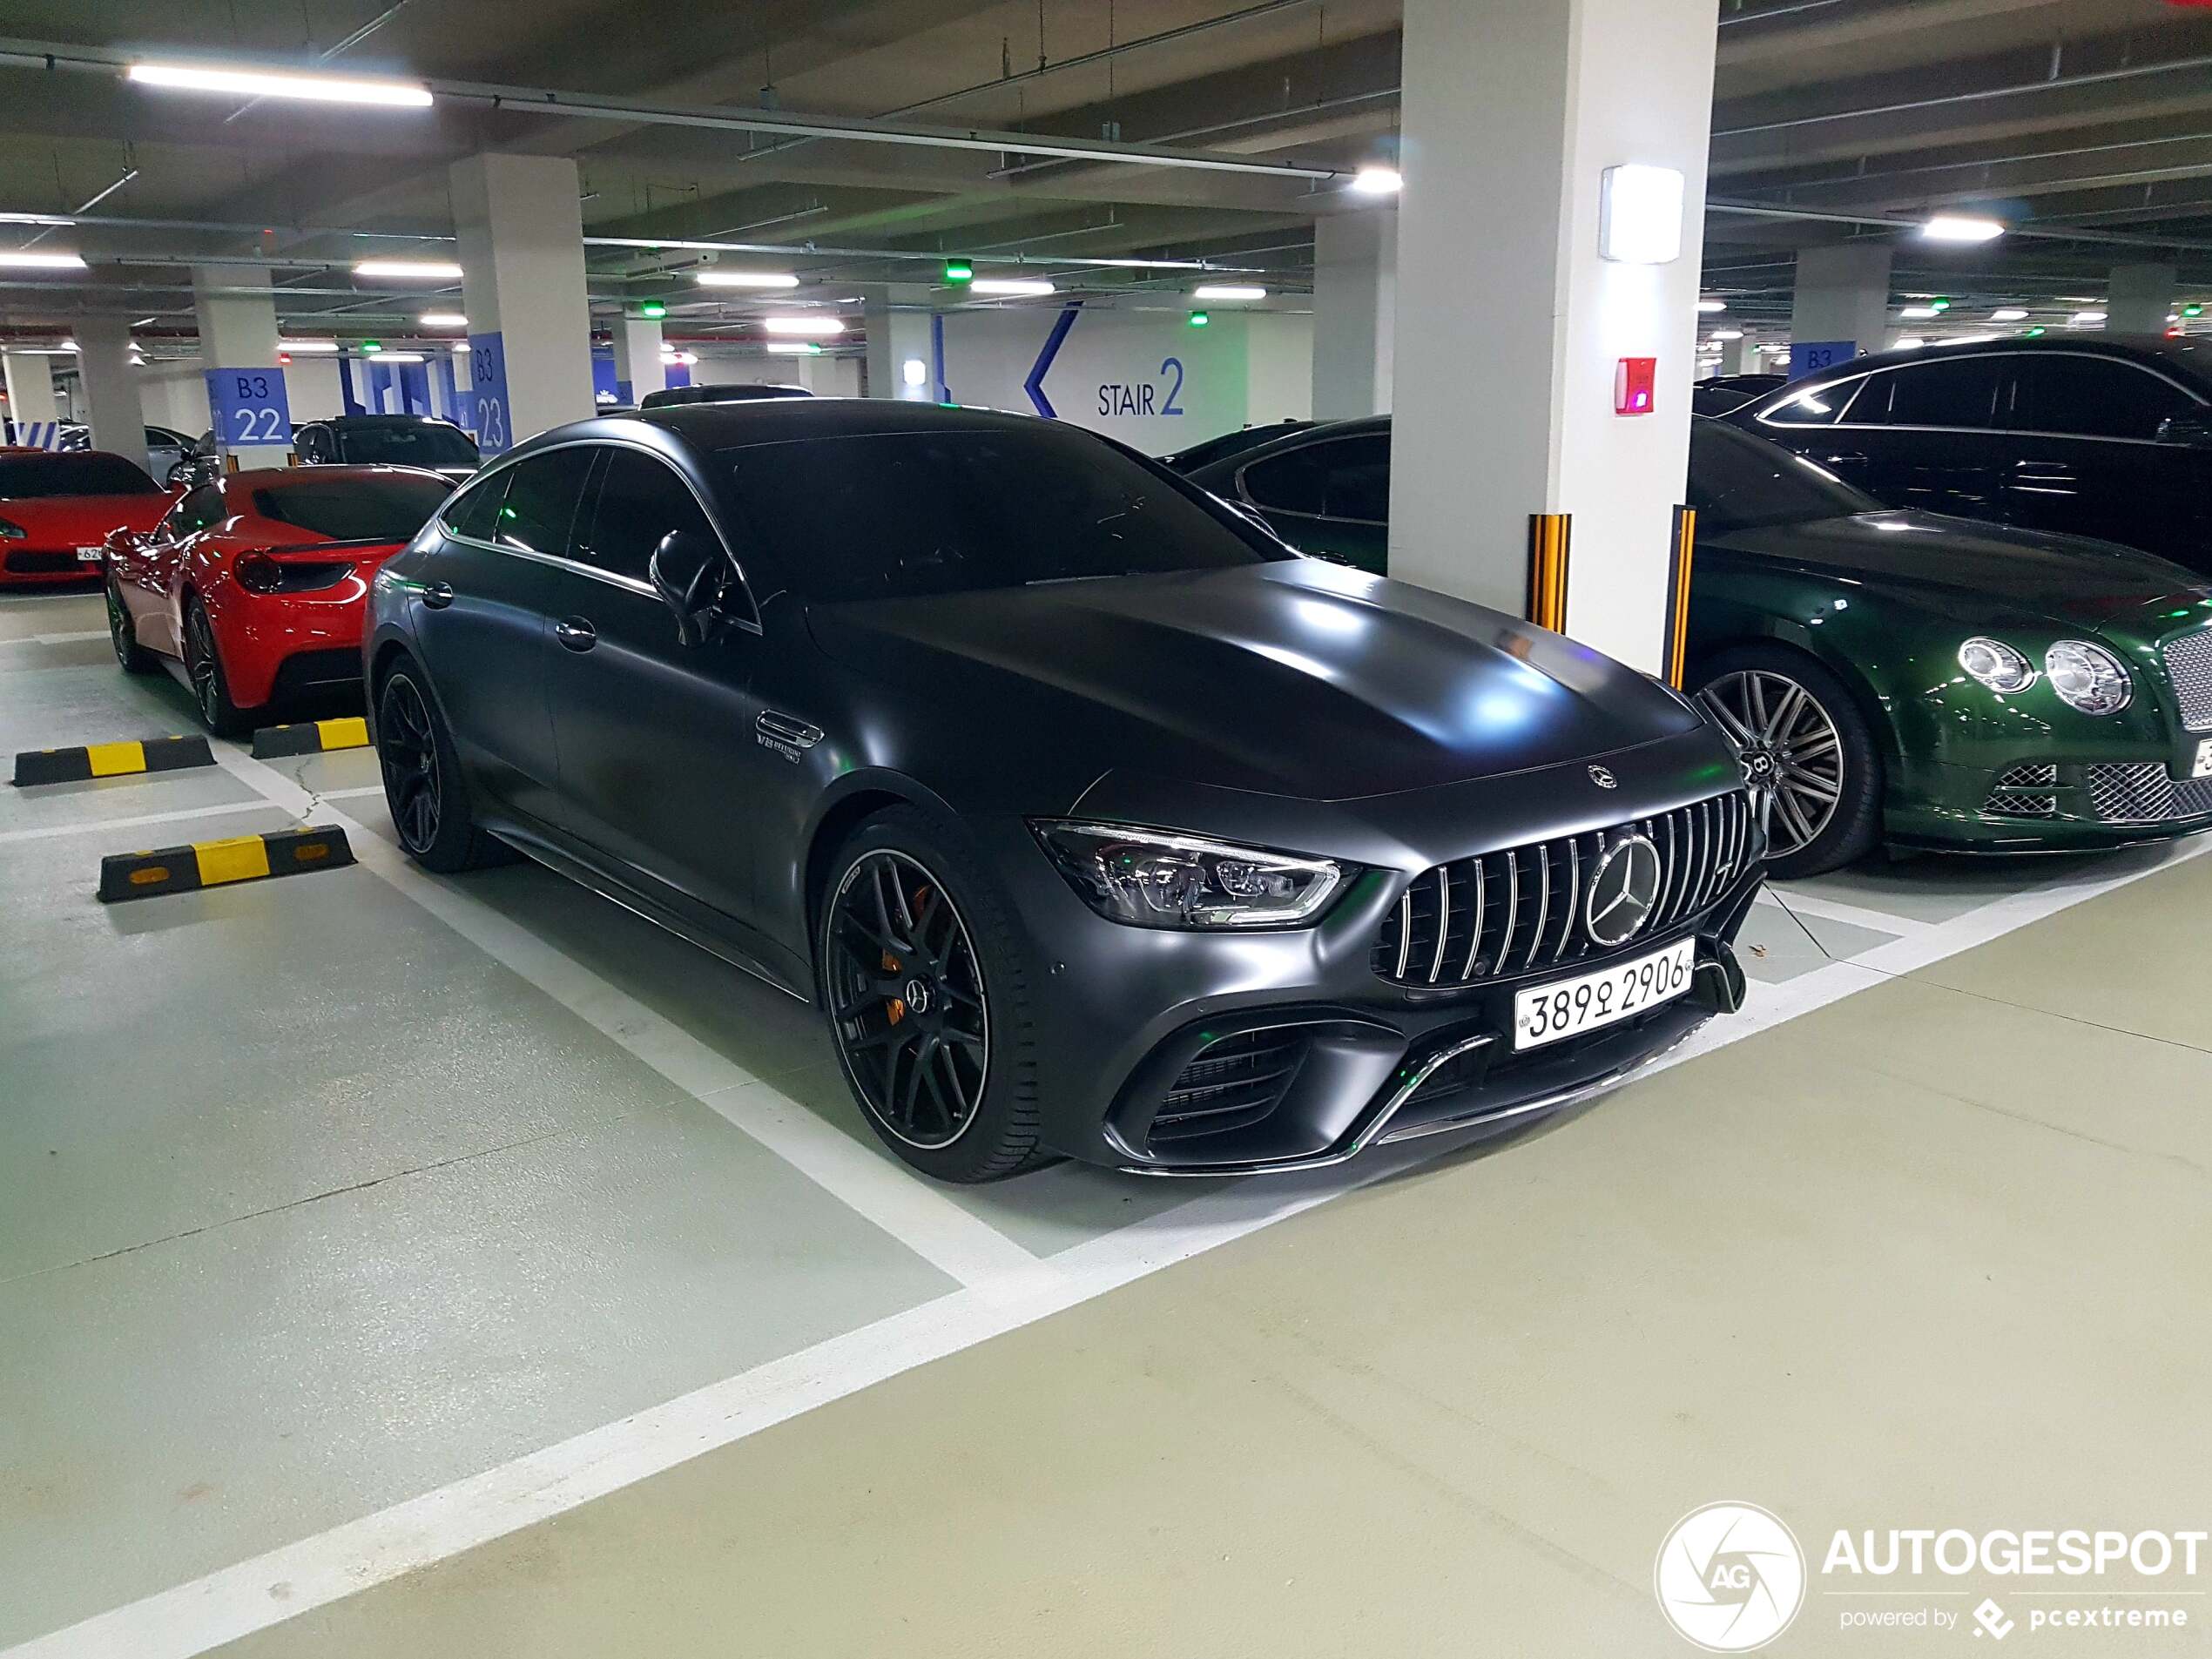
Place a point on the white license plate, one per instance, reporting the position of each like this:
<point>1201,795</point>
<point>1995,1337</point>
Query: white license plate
<point>88,555</point>
<point>2204,767</point>
<point>1568,1008</point>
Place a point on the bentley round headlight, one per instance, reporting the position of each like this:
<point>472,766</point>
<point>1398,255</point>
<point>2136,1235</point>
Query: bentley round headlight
<point>1996,664</point>
<point>2088,677</point>
<point>1158,879</point>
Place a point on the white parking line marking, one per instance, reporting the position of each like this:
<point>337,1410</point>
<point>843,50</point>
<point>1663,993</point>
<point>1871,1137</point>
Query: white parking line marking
<point>141,821</point>
<point>237,1600</point>
<point>55,640</point>
<point>921,1217</point>
<point>1815,904</point>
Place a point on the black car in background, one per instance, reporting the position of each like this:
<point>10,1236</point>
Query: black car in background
<point>388,441</point>
<point>2086,434</point>
<point>672,397</point>
<point>1096,821</point>
<point>1231,443</point>
<point>1725,394</point>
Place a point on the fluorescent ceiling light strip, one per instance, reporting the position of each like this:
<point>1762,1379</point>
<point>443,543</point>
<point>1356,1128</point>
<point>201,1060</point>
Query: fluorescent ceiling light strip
<point>1018,288</point>
<point>409,270</point>
<point>27,261</point>
<point>442,320</point>
<point>254,83</point>
<point>748,279</point>
<point>793,348</point>
<point>1957,227</point>
<point>817,327</point>
<point>1229,291</point>
<point>307,345</point>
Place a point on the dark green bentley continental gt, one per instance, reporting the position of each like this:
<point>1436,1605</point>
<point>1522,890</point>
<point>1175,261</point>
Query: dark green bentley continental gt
<point>1895,678</point>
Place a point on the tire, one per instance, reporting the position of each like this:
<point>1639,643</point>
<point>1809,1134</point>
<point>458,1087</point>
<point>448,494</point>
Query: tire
<point>424,789</point>
<point>211,687</point>
<point>123,633</point>
<point>1803,733</point>
<point>957,1098</point>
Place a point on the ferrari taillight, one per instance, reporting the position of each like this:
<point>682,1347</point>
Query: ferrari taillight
<point>258,573</point>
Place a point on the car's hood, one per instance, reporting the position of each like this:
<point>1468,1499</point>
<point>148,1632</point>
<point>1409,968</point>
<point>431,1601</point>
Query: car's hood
<point>1296,678</point>
<point>1985,572</point>
<point>81,521</point>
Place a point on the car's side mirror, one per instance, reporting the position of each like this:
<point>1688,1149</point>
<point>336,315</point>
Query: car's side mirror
<point>689,572</point>
<point>178,476</point>
<point>2194,430</point>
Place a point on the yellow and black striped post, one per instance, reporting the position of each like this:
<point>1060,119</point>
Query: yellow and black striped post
<point>214,864</point>
<point>111,761</point>
<point>1677,645</point>
<point>311,737</point>
<point>1551,537</point>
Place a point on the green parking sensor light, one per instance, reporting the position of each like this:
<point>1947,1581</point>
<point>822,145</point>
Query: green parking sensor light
<point>372,347</point>
<point>1199,319</point>
<point>652,310</point>
<point>959,271</point>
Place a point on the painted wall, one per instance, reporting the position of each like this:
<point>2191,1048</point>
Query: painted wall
<point>175,395</point>
<point>1145,377</point>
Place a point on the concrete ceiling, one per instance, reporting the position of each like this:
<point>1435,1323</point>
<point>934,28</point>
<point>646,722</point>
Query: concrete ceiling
<point>2087,120</point>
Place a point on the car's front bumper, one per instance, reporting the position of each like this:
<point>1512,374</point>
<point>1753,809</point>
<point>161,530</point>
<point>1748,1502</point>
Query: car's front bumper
<point>2055,805</point>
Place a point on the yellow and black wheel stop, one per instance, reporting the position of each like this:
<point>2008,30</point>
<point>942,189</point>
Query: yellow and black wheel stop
<point>212,864</point>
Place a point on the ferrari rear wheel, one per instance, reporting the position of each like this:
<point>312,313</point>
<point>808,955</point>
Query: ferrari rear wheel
<point>123,633</point>
<point>423,786</point>
<point>210,689</point>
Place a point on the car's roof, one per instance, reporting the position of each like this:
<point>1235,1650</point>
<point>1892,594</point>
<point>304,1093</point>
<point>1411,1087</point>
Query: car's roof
<point>703,428</point>
<point>307,477</point>
<point>380,420</point>
<point>2185,355</point>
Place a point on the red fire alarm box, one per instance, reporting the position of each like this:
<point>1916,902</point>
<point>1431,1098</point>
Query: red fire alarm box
<point>1632,385</point>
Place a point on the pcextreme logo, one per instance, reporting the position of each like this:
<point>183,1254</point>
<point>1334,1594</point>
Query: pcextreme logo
<point>1729,1577</point>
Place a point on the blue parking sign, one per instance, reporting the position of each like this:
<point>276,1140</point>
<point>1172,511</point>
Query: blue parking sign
<point>488,392</point>
<point>250,406</point>
<point>1810,356</point>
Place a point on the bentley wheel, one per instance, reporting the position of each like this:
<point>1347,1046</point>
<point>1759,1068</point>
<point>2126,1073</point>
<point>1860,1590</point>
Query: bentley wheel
<point>1807,754</point>
<point>927,996</point>
<point>423,787</point>
<point>211,688</point>
<point>123,633</point>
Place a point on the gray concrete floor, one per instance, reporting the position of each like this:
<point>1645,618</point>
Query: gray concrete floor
<point>319,1195</point>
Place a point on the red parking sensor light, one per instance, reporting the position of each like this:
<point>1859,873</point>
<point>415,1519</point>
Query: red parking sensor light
<point>1632,380</point>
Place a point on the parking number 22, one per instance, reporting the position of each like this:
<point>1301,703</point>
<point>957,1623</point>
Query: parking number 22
<point>257,425</point>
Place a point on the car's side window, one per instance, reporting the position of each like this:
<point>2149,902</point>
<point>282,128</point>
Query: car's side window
<point>1356,482</point>
<point>641,500</point>
<point>1287,484</point>
<point>474,511</point>
<point>1957,392</point>
<point>1818,406</point>
<point>197,511</point>
<point>543,491</point>
<point>2092,397</point>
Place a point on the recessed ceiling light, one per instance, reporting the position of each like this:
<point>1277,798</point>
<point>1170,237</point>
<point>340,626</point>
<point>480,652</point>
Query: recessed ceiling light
<point>2009,313</point>
<point>1228,291</point>
<point>41,261</point>
<point>254,83</point>
<point>807,328</point>
<point>746,280</point>
<point>409,270</point>
<point>1377,181</point>
<point>793,348</point>
<point>1961,227</point>
<point>1710,306</point>
<point>2084,318</point>
<point>1919,314</point>
<point>307,345</point>
<point>442,320</point>
<point>1728,333</point>
<point>400,357</point>
<point>1018,288</point>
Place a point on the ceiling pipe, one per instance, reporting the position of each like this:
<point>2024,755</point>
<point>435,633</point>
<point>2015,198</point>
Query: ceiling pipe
<point>2102,238</point>
<point>2064,154</point>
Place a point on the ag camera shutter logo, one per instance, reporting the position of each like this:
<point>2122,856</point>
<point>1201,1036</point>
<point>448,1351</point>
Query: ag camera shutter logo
<point>1729,1577</point>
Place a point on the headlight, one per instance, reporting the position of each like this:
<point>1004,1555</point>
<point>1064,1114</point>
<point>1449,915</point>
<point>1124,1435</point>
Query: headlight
<point>2088,677</point>
<point>1158,879</point>
<point>1996,664</point>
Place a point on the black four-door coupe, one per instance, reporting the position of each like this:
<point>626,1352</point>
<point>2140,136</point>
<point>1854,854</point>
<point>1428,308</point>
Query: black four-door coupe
<point>2097,434</point>
<point>1097,822</point>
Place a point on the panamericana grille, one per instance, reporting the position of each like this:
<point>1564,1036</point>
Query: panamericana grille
<point>2144,794</point>
<point>1230,1084</point>
<point>2188,665</point>
<point>1511,911</point>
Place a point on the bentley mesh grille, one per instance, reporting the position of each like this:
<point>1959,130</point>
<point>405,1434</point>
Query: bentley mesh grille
<point>2018,792</point>
<point>1230,1084</point>
<point>2188,665</point>
<point>1521,910</point>
<point>2145,795</point>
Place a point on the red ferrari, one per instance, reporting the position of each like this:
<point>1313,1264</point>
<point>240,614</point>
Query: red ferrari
<point>255,582</point>
<point>57,510</point>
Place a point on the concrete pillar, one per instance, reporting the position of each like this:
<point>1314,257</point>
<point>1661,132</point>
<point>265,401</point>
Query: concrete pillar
<point>111,386</point>
<point>897,319</point>
<point>521,233</point>
<point>1843,293</point>
<point>238,331</point>
<point>1740,356</point>
<point>2142,299</point>
<point>31,391</point>
<point>1355,309</point>
<point>1515,325</point>
<point>637,342</point>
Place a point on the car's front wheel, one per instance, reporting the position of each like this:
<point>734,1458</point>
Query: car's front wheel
<point>423,787</point>
<point>1806,750</point>
<point>927,988</point>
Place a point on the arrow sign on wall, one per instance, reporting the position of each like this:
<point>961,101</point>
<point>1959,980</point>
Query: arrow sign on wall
<point>1034,384</point>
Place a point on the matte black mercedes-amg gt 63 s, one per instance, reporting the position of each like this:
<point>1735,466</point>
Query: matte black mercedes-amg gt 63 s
<point>1096,821</point>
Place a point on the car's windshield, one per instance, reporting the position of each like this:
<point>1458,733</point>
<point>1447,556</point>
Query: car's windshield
<point>894,513</point>
<point>93,474</point>
<point>1738,482</point>
<point>429,444</point>
<point>355,509</point>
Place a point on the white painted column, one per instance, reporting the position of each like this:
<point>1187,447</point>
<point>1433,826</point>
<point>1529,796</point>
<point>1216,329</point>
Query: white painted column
<point>520,232</point>
<point>1740,356</point>
<point>1843,293</point>
<point>2142,299</point>
<point>1511,324</point>
<point>111,386</point>
<point>897,319</point>
<point>239,330</point>
<point>637,342</point>
<point>31,390</point>
<point>1355,309</point>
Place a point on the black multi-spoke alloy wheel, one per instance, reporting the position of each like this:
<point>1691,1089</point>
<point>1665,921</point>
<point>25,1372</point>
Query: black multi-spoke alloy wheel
<point>211,688</point>
<point>123,633</point>
<point>423,786</point>
<point>928,991</point>
<point>1807,751</point>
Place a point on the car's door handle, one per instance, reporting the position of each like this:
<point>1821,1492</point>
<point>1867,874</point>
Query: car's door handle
<point>437,595</point>
<point>576,633</point>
